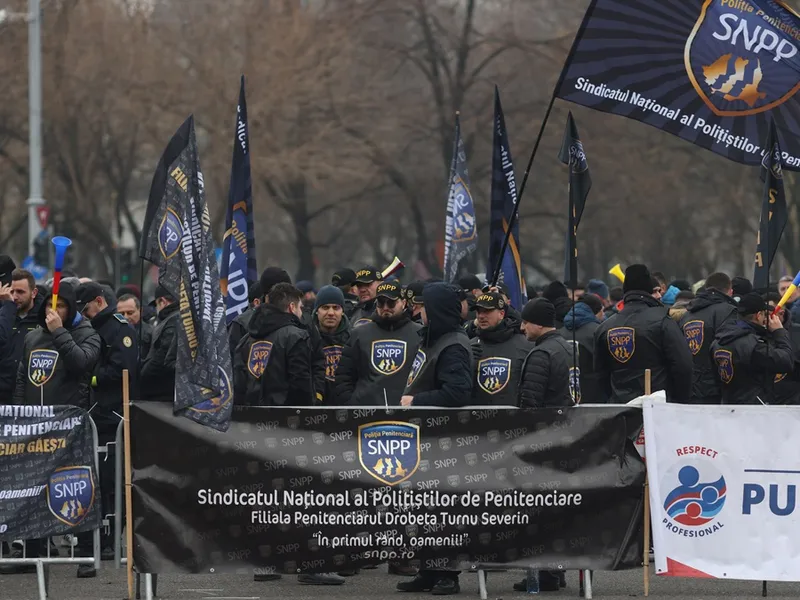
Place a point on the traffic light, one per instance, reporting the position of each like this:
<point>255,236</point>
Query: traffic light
<point>41,251</point>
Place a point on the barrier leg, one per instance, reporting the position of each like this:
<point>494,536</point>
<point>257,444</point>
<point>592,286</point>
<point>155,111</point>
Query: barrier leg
<point>41,580</point>
<point>587,584</point>
<point>148,586</point>
<point>96,549</point>
<point>155,585</point>
<point>482,584</point>
<point>763,589</point>
<point>118,498</point>
<point>580,584</point>
<point>138,586</point>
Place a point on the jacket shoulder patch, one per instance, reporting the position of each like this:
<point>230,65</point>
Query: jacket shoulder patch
<point>120,318</point>
<point>622,343</point>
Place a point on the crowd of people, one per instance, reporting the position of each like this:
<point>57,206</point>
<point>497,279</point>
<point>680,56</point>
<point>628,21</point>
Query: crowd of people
<point>366,340</point>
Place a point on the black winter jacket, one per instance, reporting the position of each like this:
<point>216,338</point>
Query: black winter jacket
<point>57,368</point>
<point>787,385</point>
<point>590,390</point>
<point>326,352</point>
<point>453,378</point>
<point>748,358</point>
<point>272,365</point>
<point>157,377</point>
<point>642,336</point>
<point>363,313</point>
<point>546,372</point>
<point>118,352</point>
<point>238,329</point>
<point>13,330</point>
<point>496,383</point>
<point>145,339</point>
<point>704,317</point>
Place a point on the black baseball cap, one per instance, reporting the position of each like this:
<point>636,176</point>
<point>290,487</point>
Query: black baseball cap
<point>414,292</point>
<point>7,265</point>
<point>368,274</point>
<point>87,292</point>
<point>343,277</point>
<point>161,292</point>
<point>390,290</point>
<point>490,301</point>
<point>470,282</point>
<point>752,303</point>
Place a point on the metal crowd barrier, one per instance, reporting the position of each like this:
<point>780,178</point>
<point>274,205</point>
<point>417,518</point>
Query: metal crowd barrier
<point>151,579</point>
<point>43,562</point>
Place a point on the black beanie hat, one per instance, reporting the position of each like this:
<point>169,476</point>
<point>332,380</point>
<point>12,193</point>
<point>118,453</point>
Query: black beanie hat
<point>329,294</point>
<point>555,290</point>
<point>540,312</point>
<point>741,286</point>
<point>272,276</point>
<point>638,278</point>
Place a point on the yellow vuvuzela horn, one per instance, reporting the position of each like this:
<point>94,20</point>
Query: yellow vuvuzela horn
<point>617,272</point>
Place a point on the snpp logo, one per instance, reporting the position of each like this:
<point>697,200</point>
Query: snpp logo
<point>170,233</point>
<point>696,501</point>
<point>389,450</point>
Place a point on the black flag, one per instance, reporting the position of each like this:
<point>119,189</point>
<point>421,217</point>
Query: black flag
<point>773,210</point>
<point>580,182</point>
<point>177,237</point>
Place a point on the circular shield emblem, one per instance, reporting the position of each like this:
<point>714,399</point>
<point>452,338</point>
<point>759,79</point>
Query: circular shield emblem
<point>127,342</point>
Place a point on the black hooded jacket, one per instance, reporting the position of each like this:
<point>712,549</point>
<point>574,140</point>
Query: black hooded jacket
<point>118,352</point>
<point>157,377</point>
<point>238,329</point>
<point>704,317</point>
<point>363,313</point>
<point>376,360</point>
<point>498,353</point>
<point>748,358</point>
<point>272,365</point>
<point>642,336</point>
<point>57,368</point>
<point>546,372</point>
<point>442,373</point>
<point>13,330</point>
<point>326,353</point>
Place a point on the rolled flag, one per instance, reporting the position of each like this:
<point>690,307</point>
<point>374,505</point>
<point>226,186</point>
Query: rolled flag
<point>788,293</point>
<point>61,243</point>
<point>393,267</point>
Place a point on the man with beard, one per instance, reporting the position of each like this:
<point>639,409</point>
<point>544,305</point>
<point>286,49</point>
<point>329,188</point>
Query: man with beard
<point>498,352</point>
<point>376,361</point>
<point>19,314</point>
<point>704,316</point>
<point>367,281</point>
<point>330,330</point>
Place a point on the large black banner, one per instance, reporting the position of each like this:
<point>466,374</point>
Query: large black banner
<point>710,71</point>
<point>320,490</point>
<point>48,483</point>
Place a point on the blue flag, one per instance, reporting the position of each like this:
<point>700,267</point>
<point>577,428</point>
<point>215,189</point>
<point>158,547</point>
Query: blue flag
<point>504,201</point>
<point>461,233</point>
<point>238,268</point>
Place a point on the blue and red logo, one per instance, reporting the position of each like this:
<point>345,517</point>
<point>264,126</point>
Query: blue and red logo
<point>699,498</point>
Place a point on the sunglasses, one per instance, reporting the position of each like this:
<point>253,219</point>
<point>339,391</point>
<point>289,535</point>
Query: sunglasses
<point>386,302</point>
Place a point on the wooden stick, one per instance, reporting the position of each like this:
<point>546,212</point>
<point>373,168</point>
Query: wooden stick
<point>126,412</point>
<point>647,392</point>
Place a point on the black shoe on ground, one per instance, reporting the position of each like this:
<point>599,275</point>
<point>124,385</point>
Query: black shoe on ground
<point>521,586</point>
<point>86,572</point>
<point>549,581</point>
<point>369,567</point>
<point>266,576</point>
<point>405,571</point>
<point>16,569</point>
<point>446,586</point>
<point>351,573</point>
<point>320,579</point>
<point>107,554</point>
<point>420,583</point>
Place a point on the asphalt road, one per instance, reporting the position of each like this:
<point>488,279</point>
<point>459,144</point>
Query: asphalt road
<point>110,585</point>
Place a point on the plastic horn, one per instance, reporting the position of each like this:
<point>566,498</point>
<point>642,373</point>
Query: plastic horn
<point>788,293</point>
<point>617,272</point>
<point>395,265</point>
<point>61,243</point>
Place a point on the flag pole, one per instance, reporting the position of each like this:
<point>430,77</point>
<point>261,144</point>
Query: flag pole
<point>647,392</point>
<point>126,413</point>
<point>515,214</point>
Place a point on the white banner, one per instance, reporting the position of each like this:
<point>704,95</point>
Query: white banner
<point>723,485</point>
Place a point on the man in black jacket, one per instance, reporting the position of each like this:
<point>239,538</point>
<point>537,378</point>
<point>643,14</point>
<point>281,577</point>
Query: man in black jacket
<point>580,324</point>
<point>750,352</point>
<point>441,375</point>
<point>498,352</point>
<point>129,307</point>
<point>548,369</point>
<point>19,315</point>
<point>272,366</point>
<point>414,300</point>
<point>157,376</point>
<point>642,336</point>
<point>787,385</point>
<point>377,359</point>
<point>704,317</point>
<point>118,353</point>
<point>367,281</point>
<point>270,277</point>
<point>345,280</point>
<point>330,331</point>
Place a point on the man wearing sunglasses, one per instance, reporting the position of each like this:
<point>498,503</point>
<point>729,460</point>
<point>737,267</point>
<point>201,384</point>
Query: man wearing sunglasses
<point>378,356</point>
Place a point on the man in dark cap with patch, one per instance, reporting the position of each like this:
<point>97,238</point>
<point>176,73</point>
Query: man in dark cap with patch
<point>642,336</point>
<point>498,351</point>
<point>157,375</point>
<point>414,300</point>
<point>548,368</point>
<point>378,356</point>
<point>367,280</point>
<point>345,280</point>
<point>750,351</point>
